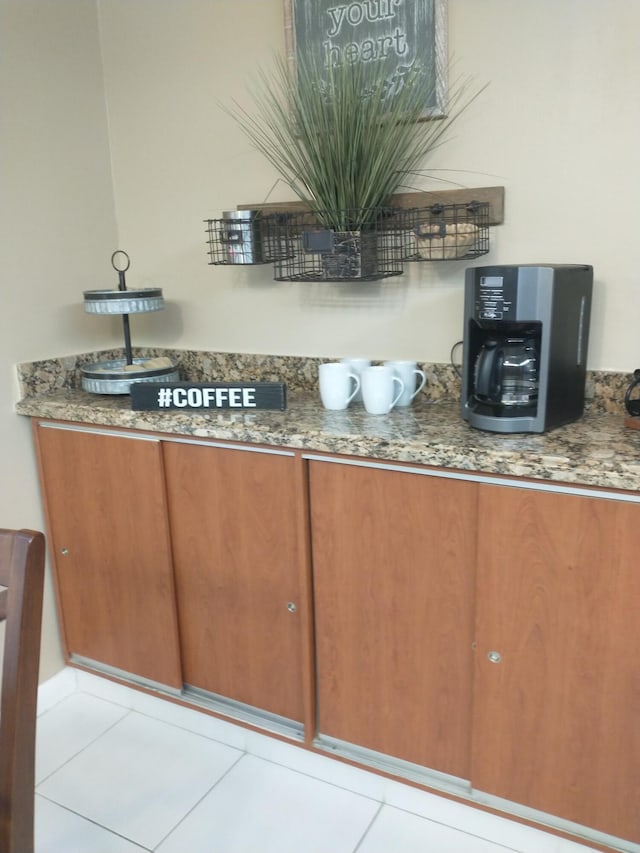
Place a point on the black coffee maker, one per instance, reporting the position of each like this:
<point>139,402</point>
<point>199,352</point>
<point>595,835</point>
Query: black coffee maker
<point>526,330</point>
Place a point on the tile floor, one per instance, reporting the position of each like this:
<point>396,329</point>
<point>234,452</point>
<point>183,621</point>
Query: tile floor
<point>119,771</point>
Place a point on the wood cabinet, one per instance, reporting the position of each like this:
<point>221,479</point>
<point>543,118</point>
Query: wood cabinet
<point>412,572</point>
<point>109,540</point>
<point>234,516</point>
<point>484,630</point>
<point>393,559</point>
<point>557,718</point>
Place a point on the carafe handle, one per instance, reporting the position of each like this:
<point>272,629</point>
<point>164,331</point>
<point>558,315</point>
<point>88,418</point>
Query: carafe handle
<point>488,372</point>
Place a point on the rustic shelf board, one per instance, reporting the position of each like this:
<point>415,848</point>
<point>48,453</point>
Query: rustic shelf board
<point>493,195</point>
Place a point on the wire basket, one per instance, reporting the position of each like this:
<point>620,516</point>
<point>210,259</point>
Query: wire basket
<point>445,232</point>
<point>353,245</point>
<point>245,237</point>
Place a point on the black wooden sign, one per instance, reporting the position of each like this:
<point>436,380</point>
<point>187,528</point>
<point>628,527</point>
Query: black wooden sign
<point>203,396</point>
<point>399,34</point>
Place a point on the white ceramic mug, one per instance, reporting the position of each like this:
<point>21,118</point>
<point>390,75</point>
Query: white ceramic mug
<point>338,385</point>
<point>408,371</point>
<point>379,384</point>
<point>357,365</point>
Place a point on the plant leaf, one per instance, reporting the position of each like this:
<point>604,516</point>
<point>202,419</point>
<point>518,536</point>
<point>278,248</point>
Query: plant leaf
<point>341,139</point>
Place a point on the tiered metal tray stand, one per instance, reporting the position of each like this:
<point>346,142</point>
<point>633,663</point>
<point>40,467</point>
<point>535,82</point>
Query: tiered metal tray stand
<point>117,376</point>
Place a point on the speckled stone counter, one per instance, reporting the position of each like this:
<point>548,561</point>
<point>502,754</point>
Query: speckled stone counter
<point>597,450</point>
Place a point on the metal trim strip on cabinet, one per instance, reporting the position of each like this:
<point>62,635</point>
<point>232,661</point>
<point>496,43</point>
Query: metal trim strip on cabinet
<point>244,713</point>
<point>552,822</point>
<point>486,479</point>
<point>462,788</point>
<point>123,675</point>
<point>117,433</point>
<point>202,442</point>
<point>395,766</point>
<point>142,436</point>
<point>194,696</point>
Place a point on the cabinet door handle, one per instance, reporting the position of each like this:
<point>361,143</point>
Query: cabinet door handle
<point>64,551</point>
<point>494,657</point>
<point>291,607</point>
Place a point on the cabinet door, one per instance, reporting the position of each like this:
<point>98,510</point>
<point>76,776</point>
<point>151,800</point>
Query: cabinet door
<point>237,562</point>
<point>393,556</point>
<point>557,719</point>
<point>109,540</point>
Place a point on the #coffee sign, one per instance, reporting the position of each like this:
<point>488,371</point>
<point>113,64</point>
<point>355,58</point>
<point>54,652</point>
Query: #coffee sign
<point>204,396</point>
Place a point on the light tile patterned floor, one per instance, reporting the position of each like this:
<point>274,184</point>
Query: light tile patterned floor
<point>119,771</point>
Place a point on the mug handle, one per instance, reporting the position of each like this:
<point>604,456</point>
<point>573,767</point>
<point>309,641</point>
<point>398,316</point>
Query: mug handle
<point>423,382</point>
<point>356,388</point>
<point>400,392</point>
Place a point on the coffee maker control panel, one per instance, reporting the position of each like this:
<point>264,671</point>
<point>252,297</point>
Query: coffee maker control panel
<point>496,297</point>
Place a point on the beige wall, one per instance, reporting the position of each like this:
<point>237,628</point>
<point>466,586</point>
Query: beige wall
<point>138,158</point>
<point>558,127</point>
<point>57,228</point>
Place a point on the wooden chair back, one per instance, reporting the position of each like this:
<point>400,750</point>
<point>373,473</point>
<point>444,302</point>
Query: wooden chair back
<point>22,559</point>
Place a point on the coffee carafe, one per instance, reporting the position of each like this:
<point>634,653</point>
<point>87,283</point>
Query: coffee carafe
<point>526,331</point>
<point>506,372</point>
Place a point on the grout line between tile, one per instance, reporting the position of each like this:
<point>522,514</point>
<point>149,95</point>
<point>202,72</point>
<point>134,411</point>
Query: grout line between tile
<point>204,796</point>
<point>186,729</point>
<point>366,832</point>
<point>86,689</point>
<point>498,845</point>
<point>95,823</point>
<point>316,778</point>
<point>76,754</point>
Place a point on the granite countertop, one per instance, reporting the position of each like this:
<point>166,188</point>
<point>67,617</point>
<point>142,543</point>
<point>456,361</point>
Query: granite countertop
<point>597,450</point>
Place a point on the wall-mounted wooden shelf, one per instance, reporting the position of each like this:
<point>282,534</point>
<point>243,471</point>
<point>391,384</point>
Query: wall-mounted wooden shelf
<point>493,195</point>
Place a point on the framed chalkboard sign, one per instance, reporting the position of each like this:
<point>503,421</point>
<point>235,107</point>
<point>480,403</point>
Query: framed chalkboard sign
<point>402,34</point>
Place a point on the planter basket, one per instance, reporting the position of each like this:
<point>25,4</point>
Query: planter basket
<point>322,253</point>
<point>307,246</point>
<point>445,232</point>
<point>245,237</point>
